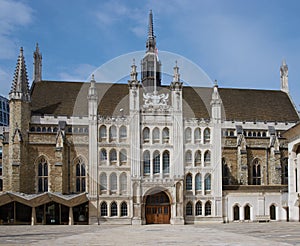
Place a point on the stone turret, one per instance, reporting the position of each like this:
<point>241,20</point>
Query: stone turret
<point>37,71</point>
<point>16,165</point>
<point>284,77</point>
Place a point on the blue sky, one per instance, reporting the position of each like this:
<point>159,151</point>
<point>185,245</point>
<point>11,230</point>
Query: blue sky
<point>239,43</point>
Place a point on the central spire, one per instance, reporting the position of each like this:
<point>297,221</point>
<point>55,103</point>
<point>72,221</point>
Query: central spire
<point>151,66</point>
<point>151,42</point>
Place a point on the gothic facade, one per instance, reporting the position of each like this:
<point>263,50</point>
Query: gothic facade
<point>144,152</point>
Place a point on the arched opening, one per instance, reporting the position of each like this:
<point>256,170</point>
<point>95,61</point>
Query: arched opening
<point>247,212</point>
<point>158,209</point>
<point>273,212</point>
<point>236,212</point>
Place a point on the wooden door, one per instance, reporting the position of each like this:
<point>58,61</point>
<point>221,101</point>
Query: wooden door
<point>158,209</point>
<point>159,214</point>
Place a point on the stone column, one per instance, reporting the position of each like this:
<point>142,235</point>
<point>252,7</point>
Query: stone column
<point>33,216</point>
<point>71,219</point>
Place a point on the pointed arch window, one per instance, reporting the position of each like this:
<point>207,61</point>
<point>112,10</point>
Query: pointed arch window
<point>103,182</point>
<point>207,182</point>
<point>112,133</point>
<point>225,172</point>
<point>198,208</point>
<point>123,183</point>
<point>188,135</point>
<point>42,175</point>
<point>103,156</point>
<point>198,182</point>
<point>124,211</point>
<point>146,162</point>
<point>103,209</point>
<point>197,159</point>
<point>188,158</point>
<point>207,208</point>
<point>113,156</point>
<point>103,133</point>
<point>146,135</point>
<point>165,135</point>
<point>80,175</point>
<point>156,162</point>
<point>113,182</point>
<point>206,136</point>
<point>189,182</point>
<point>189,209</point>
<point>155,135</point>
<point>284,171</point>
<point>207,158</point>
<point>123,133</point>
<point>113,209</point>
<point>123,156</point>
<point>166,162</point>
<point>256,172</point>
<point>197,135</point>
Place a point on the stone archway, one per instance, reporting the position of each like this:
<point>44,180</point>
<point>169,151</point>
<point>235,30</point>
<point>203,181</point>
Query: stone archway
<point>157,207</point>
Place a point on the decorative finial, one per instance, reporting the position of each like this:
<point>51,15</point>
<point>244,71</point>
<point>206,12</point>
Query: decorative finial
<point>216,82</point>
<point>93,77</point>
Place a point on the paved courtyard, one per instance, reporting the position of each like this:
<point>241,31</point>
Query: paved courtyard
<point>204,234</point>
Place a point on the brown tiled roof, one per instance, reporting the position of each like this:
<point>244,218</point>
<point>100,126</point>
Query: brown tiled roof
<point>70,98</point>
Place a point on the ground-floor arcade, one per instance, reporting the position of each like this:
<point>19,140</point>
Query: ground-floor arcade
<point>43,209</point>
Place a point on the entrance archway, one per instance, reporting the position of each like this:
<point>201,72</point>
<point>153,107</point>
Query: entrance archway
<point>236,212</point>
<point>158,208</point>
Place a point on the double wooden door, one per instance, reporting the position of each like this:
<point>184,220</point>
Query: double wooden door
<point>158,209</point>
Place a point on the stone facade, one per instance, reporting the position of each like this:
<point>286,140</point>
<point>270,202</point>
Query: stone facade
<point>144,152</point>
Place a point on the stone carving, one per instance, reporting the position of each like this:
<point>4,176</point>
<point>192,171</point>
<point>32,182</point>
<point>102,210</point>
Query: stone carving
<point>155,100</point>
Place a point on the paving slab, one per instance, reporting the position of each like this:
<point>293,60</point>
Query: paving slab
<point>262,234</point>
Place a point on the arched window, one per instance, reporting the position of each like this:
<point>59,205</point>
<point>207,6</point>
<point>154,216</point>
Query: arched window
<point>42,175</point>
<point>103,211</point>
<point>123,156</point>
<point>123,133</point>
<point>206,135</point>
<point>146,162</point>
<point>189,209</point>
<point>207,158</point>
<point>123,183</point>
<point>50,130</point>
<point>198,208</point>
<point>166,162</point>
<point>284,171</point>
<point>155,135</point>
<point>256,172</point>
<point>113,182</point>
<point>272,212</point>
<point>124,209</point>
<point>113,156</point>
<point>103,133</point>
<point>236,212</point>
<point>197,135</point>
<point>103,156</point>
<point>146,135</point>
<point>207,208</point>
<point>156,162</point>
<point>165,135</point>
<point>113,209</point>
<point>38,129</point>
<point>189,182</point>
<point>103,182</point>
<point>225,172</point>
<point>1,185</point>
<point>207,182</point>
<point>198,185</point>
<point>247,212</point>
<point>80,175</point>
<point>44,129</point>
<point>188,158</point>
<point>197,159</point>
<point>112,133</point>
<point>188,135</point>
